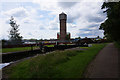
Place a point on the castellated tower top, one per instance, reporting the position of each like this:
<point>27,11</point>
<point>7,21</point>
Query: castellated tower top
<point>62,16</point>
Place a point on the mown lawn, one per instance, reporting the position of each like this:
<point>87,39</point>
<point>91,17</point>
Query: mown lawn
<point>4,50</point>
<point>58,64</point>
<point>49,45</point>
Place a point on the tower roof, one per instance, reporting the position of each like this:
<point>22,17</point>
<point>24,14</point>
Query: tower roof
<point>62,13</point>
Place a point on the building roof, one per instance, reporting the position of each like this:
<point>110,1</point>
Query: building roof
<point>63,13</point>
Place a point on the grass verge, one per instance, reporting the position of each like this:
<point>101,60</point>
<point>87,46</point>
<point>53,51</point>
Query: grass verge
<point>58,64</point>
<point>117,44</point>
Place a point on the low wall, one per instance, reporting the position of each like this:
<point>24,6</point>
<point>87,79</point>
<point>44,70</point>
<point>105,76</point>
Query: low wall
<point>13,56</point>
<point>62,47</point>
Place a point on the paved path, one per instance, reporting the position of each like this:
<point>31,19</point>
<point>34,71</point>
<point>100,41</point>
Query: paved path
<point>105,65</point>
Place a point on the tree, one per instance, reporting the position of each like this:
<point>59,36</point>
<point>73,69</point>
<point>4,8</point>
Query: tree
<point>41,39</point>
<point>78,38</point>
<point>111,26</point>
<point>68,36</point>
<point>32,40</point>
<point>98,36</point>
<point>3,42</point>
<point>14,35</point>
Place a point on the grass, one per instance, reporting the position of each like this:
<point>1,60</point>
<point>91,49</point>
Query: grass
<point>58,64</point>
<point>49,45</point>
<point>0,50</point>
<point>117,44</point>
<point>4,50</point>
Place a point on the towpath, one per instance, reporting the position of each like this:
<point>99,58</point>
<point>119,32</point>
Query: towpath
<point>106,64</point>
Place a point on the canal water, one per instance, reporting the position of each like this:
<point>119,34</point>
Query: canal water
<point>2,65</point>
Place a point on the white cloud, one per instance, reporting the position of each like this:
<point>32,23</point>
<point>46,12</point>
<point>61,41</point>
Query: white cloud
<point>17,12</point>
<point>67,4</point>
<point>46,5</point>
<point>53,24</point>
<point>41,16</point>
<point>27,20</point>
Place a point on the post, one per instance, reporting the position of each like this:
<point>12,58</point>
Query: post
<point>41,46</point>
<point>31,47</point>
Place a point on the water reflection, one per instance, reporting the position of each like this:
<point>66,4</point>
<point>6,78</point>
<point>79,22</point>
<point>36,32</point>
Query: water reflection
<point>3,65</point>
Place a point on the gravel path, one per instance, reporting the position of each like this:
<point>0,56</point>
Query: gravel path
<point>105,65</point>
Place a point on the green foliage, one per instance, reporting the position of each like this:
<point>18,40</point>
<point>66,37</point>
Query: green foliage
<point>3,41</point>
<point>111,26</point>
<point>58,64</point>
<point>14,35</point>
<point>117,44</point>
<point>68,36</point>
<point>78,38</point>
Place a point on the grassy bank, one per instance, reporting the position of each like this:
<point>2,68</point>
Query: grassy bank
<point>58,64</point>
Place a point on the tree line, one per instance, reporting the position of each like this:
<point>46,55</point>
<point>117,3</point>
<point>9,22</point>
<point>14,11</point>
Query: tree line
<point>111,25</point>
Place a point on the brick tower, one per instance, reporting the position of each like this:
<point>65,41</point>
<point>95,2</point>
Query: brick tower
<point>62,18</point>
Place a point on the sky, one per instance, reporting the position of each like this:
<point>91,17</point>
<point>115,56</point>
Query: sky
<point>39,19</point>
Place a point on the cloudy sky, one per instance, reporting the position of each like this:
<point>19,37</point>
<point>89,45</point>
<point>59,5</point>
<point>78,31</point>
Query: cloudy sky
<point>40,18</point>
